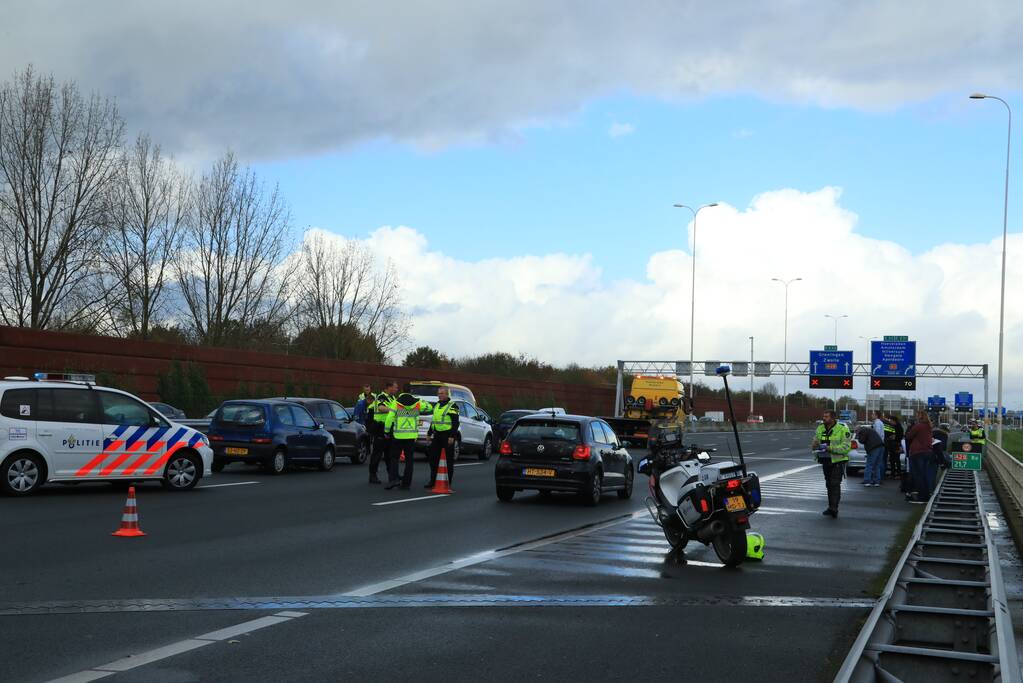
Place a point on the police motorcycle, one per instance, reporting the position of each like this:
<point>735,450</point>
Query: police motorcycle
<point>694,499</point>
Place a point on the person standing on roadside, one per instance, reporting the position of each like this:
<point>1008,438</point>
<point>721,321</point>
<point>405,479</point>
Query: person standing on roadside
<point>919,445</point>
<point>443,430</point>
<point>379,408</point>
<point>893,444</point>
<point>873,444</point>
<point>879,424</point>
<point>831,445</point>
<point>362,404</point>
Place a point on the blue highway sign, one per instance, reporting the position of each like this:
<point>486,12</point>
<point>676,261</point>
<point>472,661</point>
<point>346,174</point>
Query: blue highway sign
<point>831,362</point>
<point>936,401</point>
<point>964,400</point>
<point>893,359</point>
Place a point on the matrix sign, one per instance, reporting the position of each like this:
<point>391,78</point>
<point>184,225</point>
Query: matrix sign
<point>893,364</point>
<point>964,400</point>
<point>831,369</point>
<point>966,456</point>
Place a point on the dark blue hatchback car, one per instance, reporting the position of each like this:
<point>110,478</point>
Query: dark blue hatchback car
<point>272,433</point>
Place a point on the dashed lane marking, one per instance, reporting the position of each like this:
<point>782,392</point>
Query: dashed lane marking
<point>233,483</point>
<point>411,500</point>
<point>470,464</point>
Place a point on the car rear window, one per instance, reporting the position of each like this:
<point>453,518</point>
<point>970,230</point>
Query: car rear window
<point>242,414</point>
<point>423,389</point>
<point>508,418</point>
<point>545,430</point>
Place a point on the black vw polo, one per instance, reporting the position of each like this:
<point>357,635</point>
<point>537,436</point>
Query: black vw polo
<point>563,453</point>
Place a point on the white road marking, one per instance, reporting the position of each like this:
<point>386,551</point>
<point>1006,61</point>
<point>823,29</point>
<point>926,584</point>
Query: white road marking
<point>781,510</point>
<point>785,473</point>
<point>180,647</point>
<point>787,448</point>
<point>233,483</point>
<point>470,464</point>
<point>411,500</point>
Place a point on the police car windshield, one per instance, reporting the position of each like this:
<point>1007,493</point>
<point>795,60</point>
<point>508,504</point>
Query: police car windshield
<point>544,431</point>
<point>242,414</point>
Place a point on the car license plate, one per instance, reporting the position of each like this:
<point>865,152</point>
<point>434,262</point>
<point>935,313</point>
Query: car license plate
<point>539,472</point>
<point>236,451</point>
<point>735,504</point>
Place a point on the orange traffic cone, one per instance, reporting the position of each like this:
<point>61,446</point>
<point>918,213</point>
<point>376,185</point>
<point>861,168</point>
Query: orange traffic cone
<point>441,484</point>
<point>130,518</point>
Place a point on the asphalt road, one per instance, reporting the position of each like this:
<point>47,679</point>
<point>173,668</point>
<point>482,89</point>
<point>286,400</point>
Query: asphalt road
<point>431,588</point>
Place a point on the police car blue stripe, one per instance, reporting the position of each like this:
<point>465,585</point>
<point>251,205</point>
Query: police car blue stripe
<point>135,437</point>
<point>156,437</point>
<point>194,440</point>
<point>177,437</point>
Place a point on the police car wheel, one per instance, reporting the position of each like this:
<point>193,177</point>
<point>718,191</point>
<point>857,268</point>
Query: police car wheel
<point>327,460</point>
<point>487,450</point>
<point>182,473</point>
<point>626,492</point>
<point>278,462</point>
<point>21,474</point>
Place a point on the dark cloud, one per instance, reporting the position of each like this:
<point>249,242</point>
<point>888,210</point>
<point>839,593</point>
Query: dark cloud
<point>286,78</point>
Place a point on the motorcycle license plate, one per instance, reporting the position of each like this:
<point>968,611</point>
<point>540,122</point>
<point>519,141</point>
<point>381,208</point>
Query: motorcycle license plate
<point>539,472</point>
<point>735,504</point>
<point>236,451</point>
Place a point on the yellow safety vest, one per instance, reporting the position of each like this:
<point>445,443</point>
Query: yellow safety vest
<point>839,443</point>
<point>442,417</point>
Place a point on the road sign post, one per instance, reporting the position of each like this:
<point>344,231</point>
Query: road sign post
<point>967,455</point>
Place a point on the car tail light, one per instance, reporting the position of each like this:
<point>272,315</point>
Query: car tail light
<point>216,437</point>
<point>704,506</point>
<point>733,484</point>
<point>581,452</point>
<point>506,448</point>
<point>262,439</point>
<point>742,520</point>
<point>855,444</point>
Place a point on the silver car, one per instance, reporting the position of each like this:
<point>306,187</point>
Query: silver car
<point>475,435</point>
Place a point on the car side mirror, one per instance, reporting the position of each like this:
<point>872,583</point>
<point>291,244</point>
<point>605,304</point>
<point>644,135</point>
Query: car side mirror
<point>644,466</point>
<point>320,426</point>
<point>703,457</point>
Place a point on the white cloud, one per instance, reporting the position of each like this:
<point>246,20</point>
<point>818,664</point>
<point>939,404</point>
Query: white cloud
<point>280,79</point>
<point>562,308</point>
<point>618,130</point>
<point>742,133</point>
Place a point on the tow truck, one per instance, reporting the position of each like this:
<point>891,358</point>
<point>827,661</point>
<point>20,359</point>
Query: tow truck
<point>651,399</point>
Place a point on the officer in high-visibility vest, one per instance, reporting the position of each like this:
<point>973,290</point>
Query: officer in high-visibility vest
<point>443,429</point>
<point>977,433</point>
<point>402,426</point>
<point>831,445</point>
<point>379,408</point>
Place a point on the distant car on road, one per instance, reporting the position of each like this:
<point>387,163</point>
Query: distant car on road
<point>507,420</point>
<point>755,419</point>
<point>573,453</point>
<point>168,411</point>
<point>271,433</point>
<point>475,434</point>
<point>72,431</point>
<point>351,440</point>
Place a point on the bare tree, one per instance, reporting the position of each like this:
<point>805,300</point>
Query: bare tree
<point>233,274</point>
<point>344,287</point>
<point>146,211</point>
<point>58,156</point>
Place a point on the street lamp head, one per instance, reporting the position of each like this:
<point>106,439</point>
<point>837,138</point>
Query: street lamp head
<point>978,96</point>
<point>680,206</point>
<point>712,204</point>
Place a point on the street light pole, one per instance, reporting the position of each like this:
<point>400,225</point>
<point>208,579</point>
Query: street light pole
<point>836,318</point>
<point>692,305</point>
<point>751,375</point>
<point>1005,237</point>
<point>785,351</point>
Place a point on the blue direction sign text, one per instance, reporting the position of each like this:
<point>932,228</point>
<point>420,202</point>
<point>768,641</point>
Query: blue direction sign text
<point>831,362</point>
<point>893,359</point>
<point>964,399</point>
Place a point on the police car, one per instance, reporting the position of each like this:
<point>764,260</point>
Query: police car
<point>64,428</point>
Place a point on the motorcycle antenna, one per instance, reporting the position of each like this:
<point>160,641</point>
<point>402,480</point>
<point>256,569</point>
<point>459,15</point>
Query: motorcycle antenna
<point>723,371</point>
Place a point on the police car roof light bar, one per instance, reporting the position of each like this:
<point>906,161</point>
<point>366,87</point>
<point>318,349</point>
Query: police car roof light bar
<point>723,371</point>
<point>78,377</point>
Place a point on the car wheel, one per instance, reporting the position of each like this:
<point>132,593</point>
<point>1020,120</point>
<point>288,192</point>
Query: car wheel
<point>505,494</point>
<point>21,474</point>
<point>326,463</point>
<point>456,450</point>
<point>626,492</point>
<point>361,453</point>
<point>183,472</point>
<point>487,450</point>
<point>217,466</point>
<point>591,494</point>
<point>278,462</point>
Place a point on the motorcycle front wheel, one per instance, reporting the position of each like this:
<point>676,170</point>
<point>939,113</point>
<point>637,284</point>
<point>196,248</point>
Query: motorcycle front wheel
<point>731,547</point>
<point>676,537</point>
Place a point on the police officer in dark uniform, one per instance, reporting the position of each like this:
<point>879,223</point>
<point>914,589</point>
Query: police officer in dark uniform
<point>443,429</point>
<point>378,410</point>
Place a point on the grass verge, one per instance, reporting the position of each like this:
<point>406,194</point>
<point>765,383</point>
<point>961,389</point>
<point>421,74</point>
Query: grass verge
<point>1012,441</point>
<point>895,550</point>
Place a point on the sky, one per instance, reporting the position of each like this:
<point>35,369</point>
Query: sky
<point>518,162</point>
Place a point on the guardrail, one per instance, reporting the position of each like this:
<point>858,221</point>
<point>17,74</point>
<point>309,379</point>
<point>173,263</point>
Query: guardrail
<point>1009,470</point>
<point>943,614</point>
